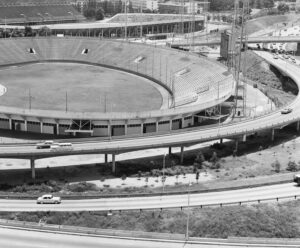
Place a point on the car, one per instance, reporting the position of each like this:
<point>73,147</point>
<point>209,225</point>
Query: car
<point>286,111</point>
<point>44,145</point>
<point>61,147</point>
<point>48,199</point>
<point>275,56</point>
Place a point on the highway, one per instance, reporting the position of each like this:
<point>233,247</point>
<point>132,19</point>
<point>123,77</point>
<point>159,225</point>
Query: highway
<point>40,239</point>
<point>262,39</point>
<point>157,202</point>
<point>248,126</point>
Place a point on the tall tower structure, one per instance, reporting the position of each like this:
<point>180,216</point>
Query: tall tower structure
<point>237,62</point>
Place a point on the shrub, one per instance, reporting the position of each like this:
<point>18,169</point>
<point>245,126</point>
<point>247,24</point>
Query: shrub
<point>292,166</point>
<point>276,165</point>
<point>82,187</point>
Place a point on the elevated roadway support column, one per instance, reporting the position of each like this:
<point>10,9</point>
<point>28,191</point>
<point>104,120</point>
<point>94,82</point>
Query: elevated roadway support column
<point>105,158</point>
<point>170,150</point>
<point>244,137</point>
<point>236,144</point>
<point>32,168</point>
<point>113,163</point>
<point>221,141</point>
<point>273,134</point>
<point>297,126</point>
<point>181,154</point>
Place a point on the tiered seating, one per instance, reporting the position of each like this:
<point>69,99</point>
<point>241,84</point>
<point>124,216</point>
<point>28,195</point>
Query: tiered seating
<point>138,18</point>
<point>202,81</point>
<point>43,12</point>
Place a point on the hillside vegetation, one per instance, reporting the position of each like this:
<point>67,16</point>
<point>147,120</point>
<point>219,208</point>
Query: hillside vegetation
<point>269,221</point>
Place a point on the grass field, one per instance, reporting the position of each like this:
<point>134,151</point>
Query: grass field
<point>85,87</point>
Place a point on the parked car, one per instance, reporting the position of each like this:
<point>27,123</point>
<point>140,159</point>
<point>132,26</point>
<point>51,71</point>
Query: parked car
<point>286,111</point>
<point>48,199</point>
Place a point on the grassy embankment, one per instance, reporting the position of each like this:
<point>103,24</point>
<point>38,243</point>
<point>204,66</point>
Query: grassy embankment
<point>264,220</point>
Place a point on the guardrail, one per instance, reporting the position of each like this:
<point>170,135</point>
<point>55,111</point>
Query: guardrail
<point>147,236</point>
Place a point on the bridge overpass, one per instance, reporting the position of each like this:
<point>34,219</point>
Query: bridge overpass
<point>251,40</point>
<point>271,121</point>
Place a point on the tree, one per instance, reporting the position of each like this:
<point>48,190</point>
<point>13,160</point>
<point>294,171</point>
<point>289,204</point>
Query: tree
<point>214,158</point>
<point>28,31</point>
<point>292,166</point>
<point>199,160</point>
<point>197,176</point>
<point>283,8</point>
<point>44,31</point>
<point>99,14</point>
<point>276,166</point>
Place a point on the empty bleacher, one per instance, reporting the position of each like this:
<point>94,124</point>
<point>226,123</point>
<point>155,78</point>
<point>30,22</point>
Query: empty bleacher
<point>203,80</point>
<point>41,11</point>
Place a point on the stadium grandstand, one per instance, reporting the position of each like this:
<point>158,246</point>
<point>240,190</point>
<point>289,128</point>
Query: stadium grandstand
<point>191,84</point>
<point>33,12</point>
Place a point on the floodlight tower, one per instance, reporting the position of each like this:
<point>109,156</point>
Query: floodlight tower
<point>239,35</point>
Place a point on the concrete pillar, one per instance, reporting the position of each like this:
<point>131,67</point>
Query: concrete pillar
<point>236,144</point>
<point>298,49</point>
<point>142,128</point>
<point>273,134</point>
<point>57,129</point>
<point>25,124</point>
<point>32,168</point>
<point>170,150</point>
<point>156,126</point>
<point>10,123</point>
<point>181,154</point>
<point>41,123</point>
<point>109,130</point>
<point>221,141</point>
<point>113,163</point>
<point>171,122</point>
<point>125,126</point>
<point>297,126</point>
<point>105,158</point>
<point>244,138</point>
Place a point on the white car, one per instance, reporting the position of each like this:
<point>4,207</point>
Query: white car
<point>48,199</point>
<point>286,111</point>
<point>44,145</point>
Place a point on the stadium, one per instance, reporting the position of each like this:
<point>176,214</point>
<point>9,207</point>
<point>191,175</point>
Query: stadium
<point>96,87</point>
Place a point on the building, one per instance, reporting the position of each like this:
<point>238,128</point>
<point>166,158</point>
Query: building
<point>184,6</point>
<point>143,5</point>
<point>171,8</point>
<point>33,12</point>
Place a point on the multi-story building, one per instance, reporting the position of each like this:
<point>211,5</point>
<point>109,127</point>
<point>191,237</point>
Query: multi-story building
<point>139,5</point>
<point>184,6</point>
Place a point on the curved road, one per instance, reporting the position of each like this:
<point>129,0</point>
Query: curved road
<point>157,202</point>
<point>272,120</point>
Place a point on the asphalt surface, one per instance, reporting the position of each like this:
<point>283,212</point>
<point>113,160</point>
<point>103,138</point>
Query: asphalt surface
<point>38,239</point>
<point>271,120</point>
<point>156,202</point>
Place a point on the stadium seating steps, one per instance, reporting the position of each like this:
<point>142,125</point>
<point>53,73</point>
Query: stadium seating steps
<point>161,64</point>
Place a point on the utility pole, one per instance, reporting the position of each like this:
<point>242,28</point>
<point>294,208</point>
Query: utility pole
<point>126,1</point>
<point>188,214</point>
<point>66,101</point>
